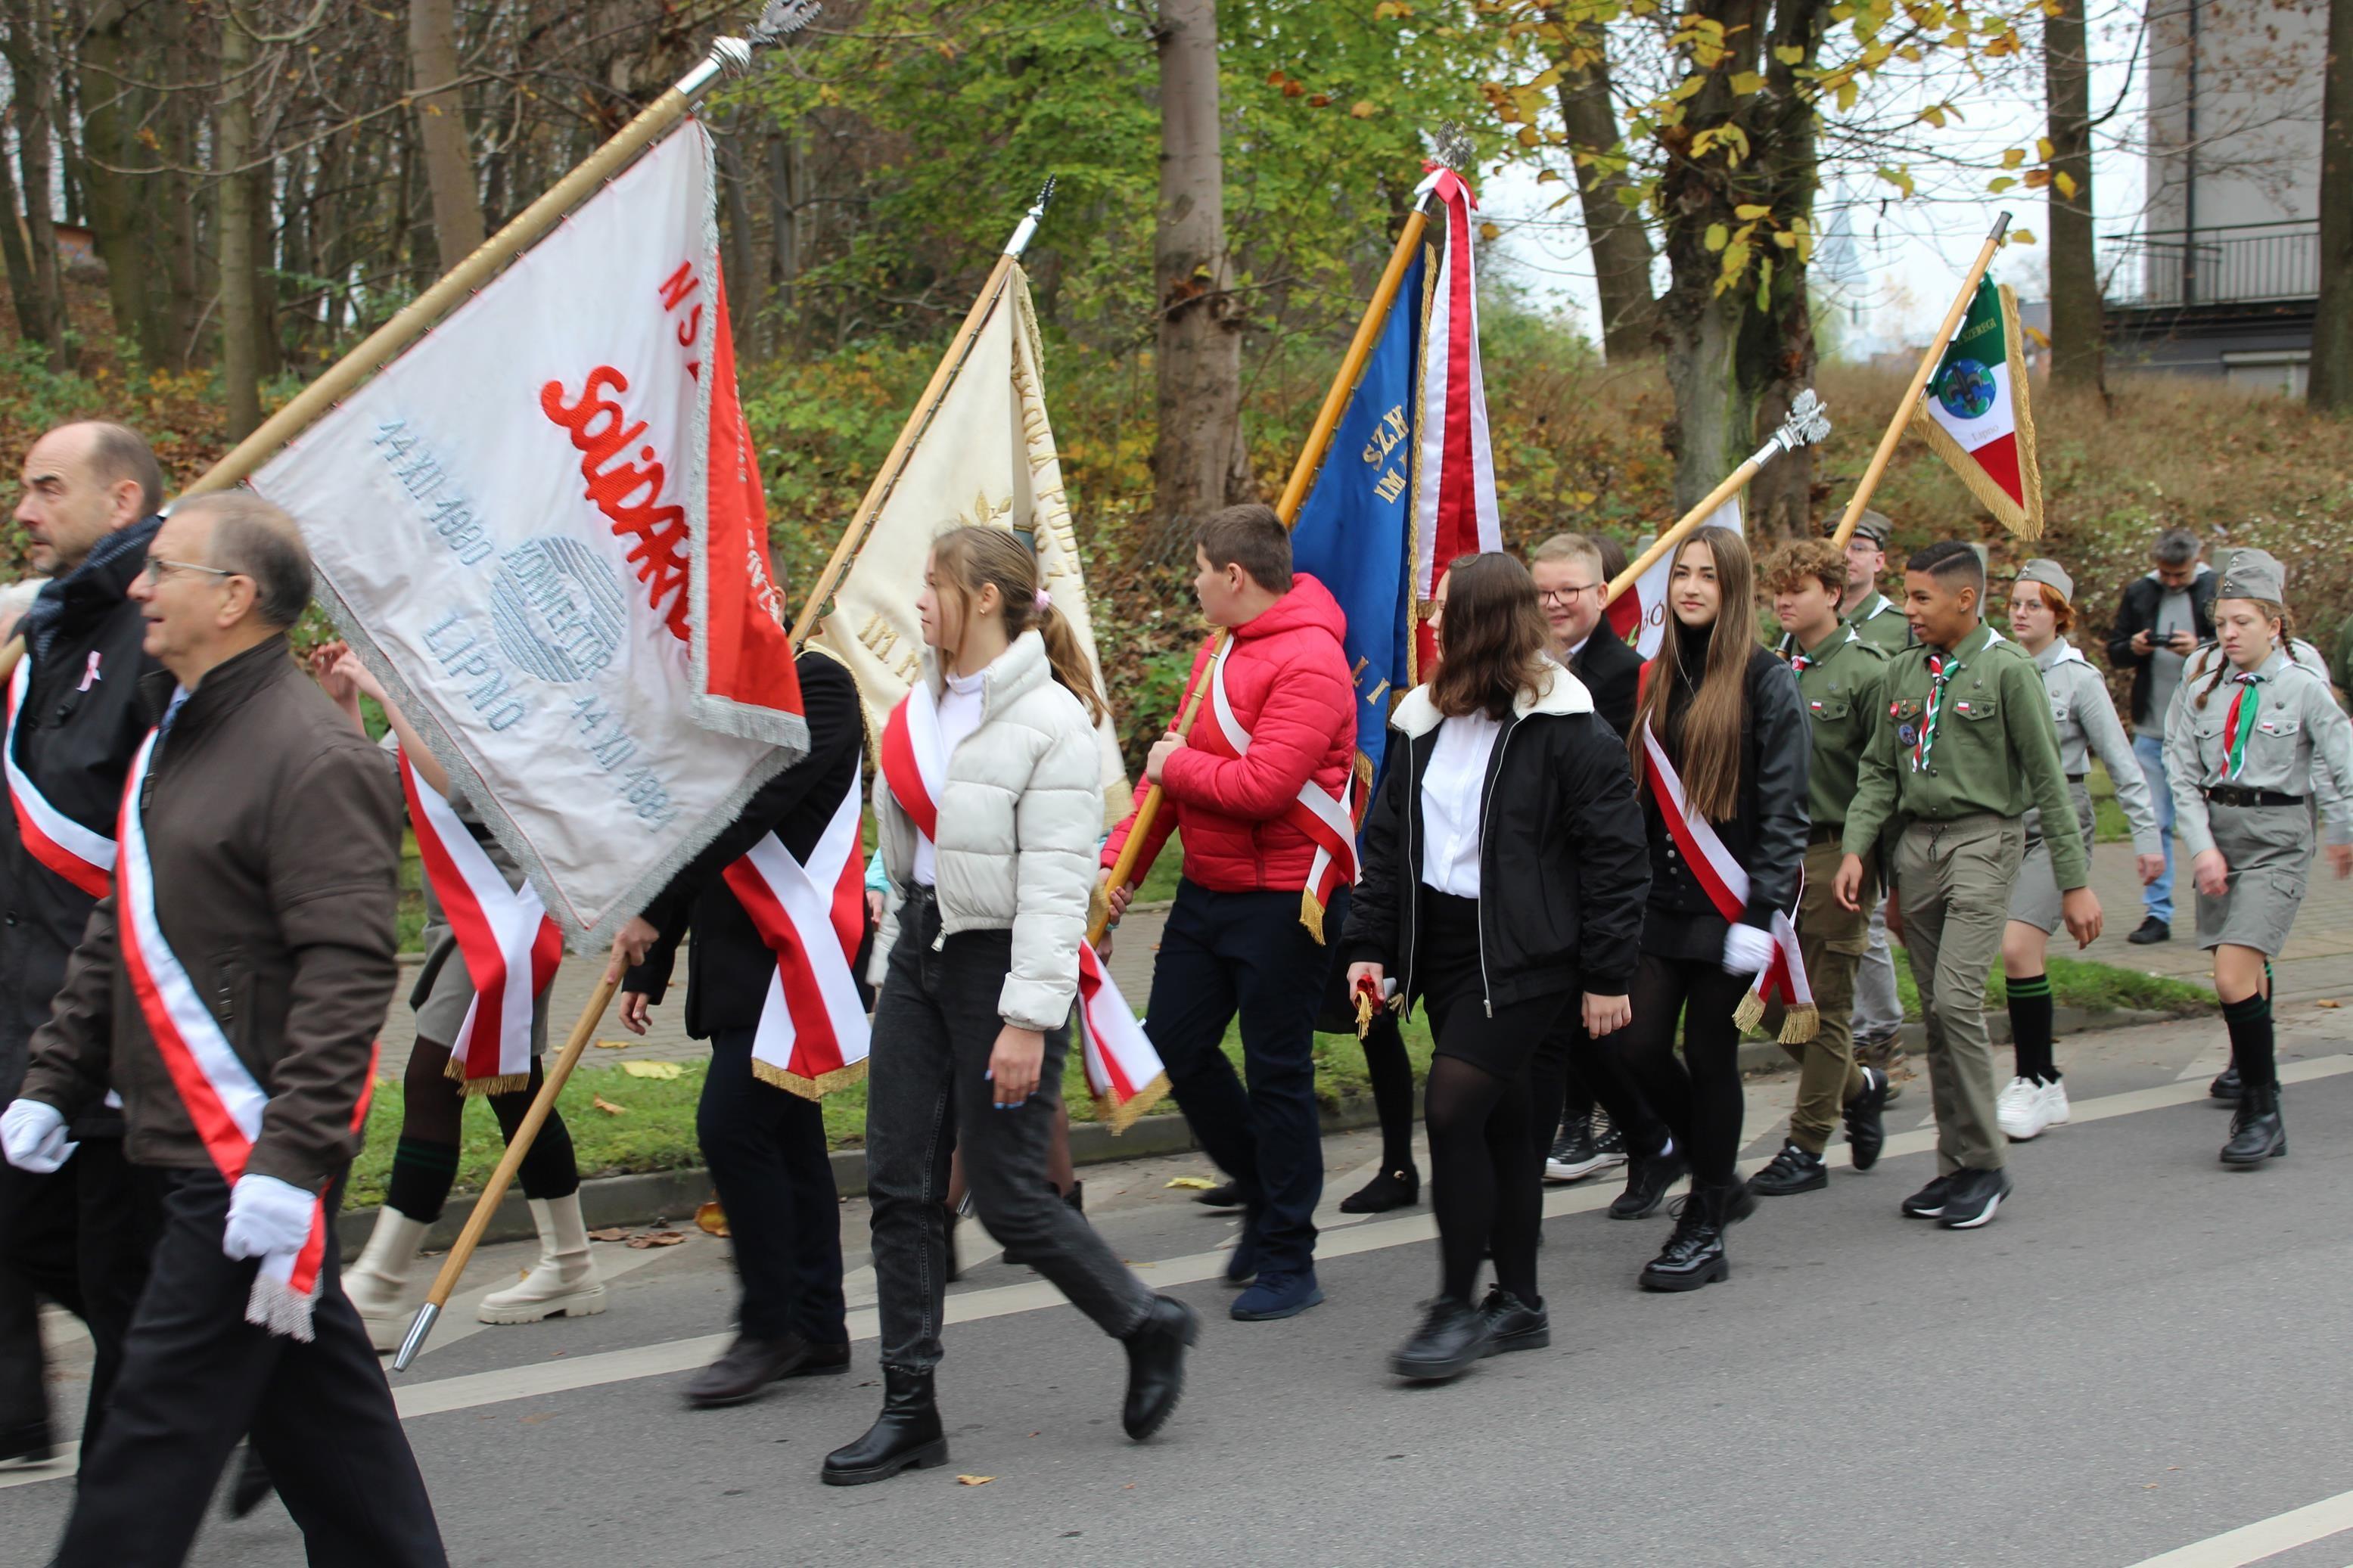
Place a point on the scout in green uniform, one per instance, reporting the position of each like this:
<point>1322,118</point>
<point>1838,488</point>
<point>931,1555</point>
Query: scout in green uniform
<point>1878,1012</point>
<point>2250,736</point>
<point>1876,618</point>
<point>1961,750</point>
<point>1838,678</point>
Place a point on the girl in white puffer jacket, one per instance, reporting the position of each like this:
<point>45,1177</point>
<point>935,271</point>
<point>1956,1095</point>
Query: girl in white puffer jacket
<point>989,808</point>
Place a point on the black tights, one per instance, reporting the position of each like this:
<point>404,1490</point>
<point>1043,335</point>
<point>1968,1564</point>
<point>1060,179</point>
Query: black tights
<point>425,1160</point>
<point>1699,1095</point>
<point>1486,1178</point>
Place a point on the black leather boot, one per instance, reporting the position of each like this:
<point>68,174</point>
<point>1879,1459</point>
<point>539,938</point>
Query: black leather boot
<point>2225,1086</point>
<point>1155,1366</point>
<point>1694,1255</point>
<point>1648,1177</point>
<point>2256,1132</point>
<point>905,1437</point>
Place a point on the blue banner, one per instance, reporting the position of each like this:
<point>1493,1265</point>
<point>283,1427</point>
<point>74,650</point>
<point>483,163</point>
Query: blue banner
<point>1354,530</point>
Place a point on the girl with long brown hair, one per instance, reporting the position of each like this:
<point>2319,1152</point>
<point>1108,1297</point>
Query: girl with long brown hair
<point>1503,874</point>
<point>1725,717</point>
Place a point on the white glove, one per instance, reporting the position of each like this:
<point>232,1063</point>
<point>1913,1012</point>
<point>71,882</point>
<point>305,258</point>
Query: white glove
<point>1747,949</point>
<point>33,1133</point>
<point>266,1215</point>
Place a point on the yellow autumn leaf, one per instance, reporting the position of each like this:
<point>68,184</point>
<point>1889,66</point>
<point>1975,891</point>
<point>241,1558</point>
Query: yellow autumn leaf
<point>1746,83</point>
<point>973,1480</point>
<point>653,1070</point>
<point>2021,237</point>
<point>710,1218</point>
<point>1546,176</point>
<point>1195,1184</point>
<point>1847,93</point>
<point>608,1108</point>
<point>1934,115</point>
<point>1528,136</point>
<point>2000,183</point>
<point>1488,231</point>
<point>2012,157</point>
<point>2066,183</point>
<point>1363,109</point>
<point>1751,210</point>
<point>614,1044</point>
<point>2042,148</point>
<point>1716,237</point>
<point>1789,54</point>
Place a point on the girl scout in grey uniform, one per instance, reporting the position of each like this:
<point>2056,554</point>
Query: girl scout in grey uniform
<point>2252,731</point>
<point>2041,612</point>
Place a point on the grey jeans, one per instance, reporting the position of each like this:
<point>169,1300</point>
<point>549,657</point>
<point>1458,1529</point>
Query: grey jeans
<point>935,1026</point>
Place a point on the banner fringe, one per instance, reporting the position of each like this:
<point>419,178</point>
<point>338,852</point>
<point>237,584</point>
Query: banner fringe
<point>1750,1013</point>
<point>1311,914</point>
<point>1800,1024</point>
<point>275,1306</point>
<point>810,1089</point>
<point>497,1083</point>
<point>1120,1118</point>
<point>2026,521</point>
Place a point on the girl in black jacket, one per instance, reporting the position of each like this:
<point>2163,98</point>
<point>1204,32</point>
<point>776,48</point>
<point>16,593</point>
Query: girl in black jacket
<point>1727,716</point>
<point>1504,872</point>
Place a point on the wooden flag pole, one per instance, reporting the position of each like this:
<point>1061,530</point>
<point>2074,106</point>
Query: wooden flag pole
<point>1808,422</point>
<point>1927,366</point>
<point>728,58</point>
<point>1294,495</point>
<point>936,392</point>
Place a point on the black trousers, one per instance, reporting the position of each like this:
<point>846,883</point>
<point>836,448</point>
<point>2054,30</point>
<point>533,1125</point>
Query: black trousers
<point>80,1236</point>
<point>1569,1073</point>
<point>765,1147</point>
<point>197,1377</point>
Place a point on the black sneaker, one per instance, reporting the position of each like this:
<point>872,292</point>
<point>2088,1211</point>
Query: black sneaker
<point>1793,1170</point>
<point>1973,1198</point>
<point>1452,1339</point>
<point>1397,1189</point>
<point>2151,930</point>
<point>1928,1203</point>
<point>1229,1196</point>
<point>1574,1154</point>
<point>1866,1120</point>
<point>1512,1324</point>
<point>2226,1087</point>
<point>1648,1177</point>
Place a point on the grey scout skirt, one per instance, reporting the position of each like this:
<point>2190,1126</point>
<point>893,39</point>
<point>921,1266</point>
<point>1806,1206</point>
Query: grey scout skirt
<point>2270,851</point>
<point>2034,897</point>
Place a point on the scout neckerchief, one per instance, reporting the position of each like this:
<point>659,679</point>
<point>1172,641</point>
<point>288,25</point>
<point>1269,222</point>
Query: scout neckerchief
<point>1123,1072</point>
<point>1942,667</point>
<point>81,855</point>
<point>1325,819</point>
<point>510,946</point>
<point>224,1101</point>
<point>2244,705</point>
<point>1724,881</point>
<point>1801,662</point>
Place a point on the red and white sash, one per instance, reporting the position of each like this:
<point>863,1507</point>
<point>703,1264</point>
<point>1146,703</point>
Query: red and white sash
<point>1326,819</point>
<point>1725,883</point>
<point>1123,1072</point>
<point>225,1103</point>
<point>510,946</point>
<point>813,1035</point>
<point>81,856</point>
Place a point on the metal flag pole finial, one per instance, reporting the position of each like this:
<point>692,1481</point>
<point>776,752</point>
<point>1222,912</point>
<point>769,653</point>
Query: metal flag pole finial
<point>1809,422</point>
<point>1028,227</point>
<point>1454,148</point>
<point>779,19</point>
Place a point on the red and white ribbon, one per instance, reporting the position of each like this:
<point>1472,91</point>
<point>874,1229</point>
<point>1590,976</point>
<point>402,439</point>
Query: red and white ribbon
<point>1454,500</point>
<point>1325,819</point>
<point>1123,1072</point>
<point>81,855</point>
<point>224,1102</point>
<point>813,1035</point>
<point>1725,883</point>
<point>510,946</point>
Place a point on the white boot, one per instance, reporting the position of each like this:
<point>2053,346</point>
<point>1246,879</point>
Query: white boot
<point>564,1282</point>
<point>378,1283</point>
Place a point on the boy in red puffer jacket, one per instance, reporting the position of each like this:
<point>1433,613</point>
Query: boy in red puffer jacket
<point>1261,793</point>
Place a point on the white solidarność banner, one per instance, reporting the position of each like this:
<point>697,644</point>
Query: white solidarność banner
<point>542,528</point>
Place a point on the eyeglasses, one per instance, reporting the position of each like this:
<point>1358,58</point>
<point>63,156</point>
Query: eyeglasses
<point>158,569</point>
<point>1566,596</point>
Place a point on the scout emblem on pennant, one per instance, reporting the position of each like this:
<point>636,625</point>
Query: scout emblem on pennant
<point>1975,413</point>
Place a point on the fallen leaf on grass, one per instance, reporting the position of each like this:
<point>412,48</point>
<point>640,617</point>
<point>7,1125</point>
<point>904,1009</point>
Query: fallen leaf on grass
<point>653,1070</point>
<point>610,1232</point>
<point>712,1218</point>
<point>973,1480</point>
<point>1201,1183</point>
<point>614,1044</point>
<point>657,1238</point>
<point>608,1108</point>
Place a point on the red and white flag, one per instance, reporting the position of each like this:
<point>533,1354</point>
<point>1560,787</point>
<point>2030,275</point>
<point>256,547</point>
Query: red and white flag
<point>510,947</point>
<point>1725,883</point>
<point>1123,1072</point>
<point>83,856</point>
<point>813,1036</point>
<point>224,1102</point>
<point>1639,615</point>
<point>542,529</point>
<point>1454,509</point>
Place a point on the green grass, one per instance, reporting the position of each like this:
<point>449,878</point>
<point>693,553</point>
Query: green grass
<point>654,1129</point>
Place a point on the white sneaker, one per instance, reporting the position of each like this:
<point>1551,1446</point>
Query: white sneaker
<point>2026,1109</point>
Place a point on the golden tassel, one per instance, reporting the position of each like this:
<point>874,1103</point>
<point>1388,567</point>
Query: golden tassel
<point>1120,1118</point>
<point>817,1088</point>
<point>503,1083</point>
<point>1800,1024</point>
<point>1750,1013</point>
<point>1311,914</point>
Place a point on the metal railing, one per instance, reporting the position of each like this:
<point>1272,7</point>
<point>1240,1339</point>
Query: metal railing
<point>2237,264</point>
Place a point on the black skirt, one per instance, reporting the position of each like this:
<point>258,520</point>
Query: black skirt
<point>1454,994</point>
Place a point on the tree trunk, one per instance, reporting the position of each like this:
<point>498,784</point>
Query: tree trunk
<point>1613,228</point>
<point>2078,352</point>
<point>22,291</point>
<point>119,221</point>
<point>441,130</point>
<point>1199,463</point>
<point>233,229</point>
<point>32,61</point>
<point>2331,383</point>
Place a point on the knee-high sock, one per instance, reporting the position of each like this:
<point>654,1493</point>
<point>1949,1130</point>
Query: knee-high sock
<point>2030,1027</point>
<point>2249,1023</point>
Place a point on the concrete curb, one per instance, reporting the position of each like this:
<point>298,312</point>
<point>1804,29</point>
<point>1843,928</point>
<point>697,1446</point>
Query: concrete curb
<point>655,1196</point>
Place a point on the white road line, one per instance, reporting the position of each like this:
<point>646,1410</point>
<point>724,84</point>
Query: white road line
<point>2265,1538</point>
<point>541,1379</point>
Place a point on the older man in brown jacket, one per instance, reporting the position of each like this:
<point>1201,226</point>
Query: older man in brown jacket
<point>230,989</point>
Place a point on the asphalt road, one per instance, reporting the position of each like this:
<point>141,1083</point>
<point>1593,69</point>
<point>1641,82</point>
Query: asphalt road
<point>2144,1356</point>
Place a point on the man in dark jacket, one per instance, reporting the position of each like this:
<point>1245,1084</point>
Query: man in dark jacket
<point>230,989</point>
<point>2161,618</point>
<point>81,1233</point>
<point>766,1145</point>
